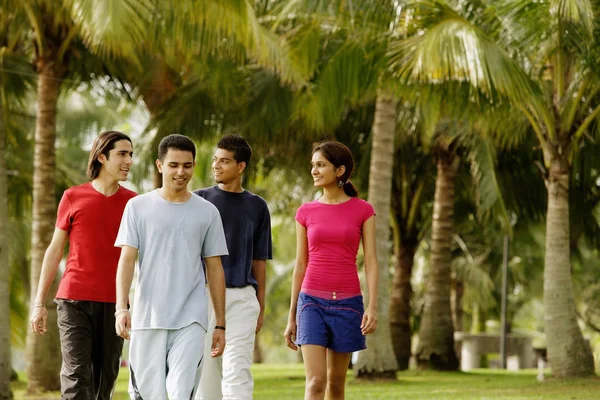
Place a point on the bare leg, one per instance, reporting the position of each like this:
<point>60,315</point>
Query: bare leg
<point>337,368</point>
<point>315,364</point>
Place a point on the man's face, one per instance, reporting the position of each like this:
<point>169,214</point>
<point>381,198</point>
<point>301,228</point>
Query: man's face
<point>177,169</point>
<point>225,168</point>
<point>118,162</point>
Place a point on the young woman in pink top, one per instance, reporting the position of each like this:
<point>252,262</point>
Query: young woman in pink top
<point>327,318</point>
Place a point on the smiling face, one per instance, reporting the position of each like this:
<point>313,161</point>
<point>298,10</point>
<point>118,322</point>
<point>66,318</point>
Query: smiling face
<point>118,162</point>
<point>177,168</point>
<point>225,169</point>
<point>324,173</point>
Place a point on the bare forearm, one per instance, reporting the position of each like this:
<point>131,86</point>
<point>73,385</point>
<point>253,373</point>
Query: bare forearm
<point>49,268</point>
<point>124,280</point>
<point>372,274</point>
<point>259,270</point>
<point>297,278</point>
<point>216,286</point>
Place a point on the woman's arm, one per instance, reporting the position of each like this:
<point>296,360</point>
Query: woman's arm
<point>369,323</point>
<point>297,278</point>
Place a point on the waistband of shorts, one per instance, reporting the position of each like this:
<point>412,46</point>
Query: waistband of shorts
<point>329,295</point>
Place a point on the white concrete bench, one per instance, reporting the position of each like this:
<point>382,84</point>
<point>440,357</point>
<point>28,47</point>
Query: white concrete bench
<point>519,349</point>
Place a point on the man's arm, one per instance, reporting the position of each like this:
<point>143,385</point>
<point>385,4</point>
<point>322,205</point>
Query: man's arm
<point>125,271</point>
<point>52,257</point>
<point>216,286</point>
<point>259,271</point>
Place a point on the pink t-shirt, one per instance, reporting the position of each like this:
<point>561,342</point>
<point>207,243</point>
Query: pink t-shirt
<point>334,232</point>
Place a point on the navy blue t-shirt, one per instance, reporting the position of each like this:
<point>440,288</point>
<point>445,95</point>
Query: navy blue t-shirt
<point>247,225</point>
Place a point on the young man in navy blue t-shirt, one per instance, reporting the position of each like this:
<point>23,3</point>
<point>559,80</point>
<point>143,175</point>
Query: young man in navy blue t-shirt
<point>247,225</point>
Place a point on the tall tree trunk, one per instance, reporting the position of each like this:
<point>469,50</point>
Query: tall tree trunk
<point>568,353</point>
<point>155,92</point>
<point>436,336</point>
<point>378,361</point>
<point>5,357</point>
<point>456,297</point>
<point>43,352</point>
<point>400,303</point>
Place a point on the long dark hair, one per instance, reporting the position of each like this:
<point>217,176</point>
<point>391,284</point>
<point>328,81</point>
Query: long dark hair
<point>103,144</point>
<point>338,154</point>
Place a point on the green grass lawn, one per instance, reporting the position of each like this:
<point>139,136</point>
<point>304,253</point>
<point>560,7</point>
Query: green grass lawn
<point>283,382</point>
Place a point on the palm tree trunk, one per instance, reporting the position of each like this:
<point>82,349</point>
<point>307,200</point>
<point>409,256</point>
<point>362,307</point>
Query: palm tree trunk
<point>378,361</point>
<point>568,353</point>
<point>5,357</point>
<point>43,352</point>
<point>436,336</point>
<point>456,296</point>
<point>400,303</point>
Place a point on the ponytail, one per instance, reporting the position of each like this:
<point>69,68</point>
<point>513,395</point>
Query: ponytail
<point>350,189</point>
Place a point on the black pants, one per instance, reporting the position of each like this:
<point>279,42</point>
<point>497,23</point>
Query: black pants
<point>91,350</point>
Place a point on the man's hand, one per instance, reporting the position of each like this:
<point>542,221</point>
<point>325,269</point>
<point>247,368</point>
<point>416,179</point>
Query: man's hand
<point>218,343</point>
<point>123,324</point>
<point>260,321</point>
<point>39,319</point>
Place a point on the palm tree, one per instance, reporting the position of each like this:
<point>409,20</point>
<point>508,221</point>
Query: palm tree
<point>378,362</point>
<point>64,32</point>
<point>436,334</point>
<point>552,80</point>
<point>13,88</point>
<point>5,353</point>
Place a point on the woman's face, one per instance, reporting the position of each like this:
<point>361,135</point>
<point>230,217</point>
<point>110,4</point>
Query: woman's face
<point>324,172</point>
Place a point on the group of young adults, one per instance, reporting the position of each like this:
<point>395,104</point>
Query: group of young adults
<point>200,275</point>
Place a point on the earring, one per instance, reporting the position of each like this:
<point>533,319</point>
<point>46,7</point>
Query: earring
<point>340,184</point>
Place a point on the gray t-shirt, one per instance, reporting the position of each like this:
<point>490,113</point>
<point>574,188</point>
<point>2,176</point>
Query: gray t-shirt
<point>171,239</point>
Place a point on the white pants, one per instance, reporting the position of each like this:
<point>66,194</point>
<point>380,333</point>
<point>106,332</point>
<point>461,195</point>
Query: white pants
<point>164,363</point>
<point>228,377</point>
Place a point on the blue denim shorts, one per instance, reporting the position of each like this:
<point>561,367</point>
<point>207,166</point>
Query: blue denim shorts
<point>334,324</point>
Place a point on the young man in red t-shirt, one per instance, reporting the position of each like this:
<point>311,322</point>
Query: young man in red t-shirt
<point>89,216</point>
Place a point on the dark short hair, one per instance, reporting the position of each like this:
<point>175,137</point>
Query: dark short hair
<point>103,144</point>
<point>179,142</point>
<point>237,145</point>
<point>339,154</point>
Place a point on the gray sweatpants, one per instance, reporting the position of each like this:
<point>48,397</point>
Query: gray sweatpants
<point>165,363</point>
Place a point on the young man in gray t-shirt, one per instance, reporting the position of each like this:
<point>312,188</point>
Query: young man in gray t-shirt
<point>172,231</point>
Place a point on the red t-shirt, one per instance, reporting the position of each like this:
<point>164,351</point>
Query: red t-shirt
<point>334,232</point>
<point>92,220</point>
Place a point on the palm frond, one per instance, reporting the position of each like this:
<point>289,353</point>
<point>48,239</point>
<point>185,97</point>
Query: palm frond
<point>482,156</point>
<point>112,27</point>
<point>349,78</point>
<point>455,50</point>
<point>576,11</point>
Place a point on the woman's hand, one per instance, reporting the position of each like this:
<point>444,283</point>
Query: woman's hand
<point>369,321</point>
<point>290,335</point>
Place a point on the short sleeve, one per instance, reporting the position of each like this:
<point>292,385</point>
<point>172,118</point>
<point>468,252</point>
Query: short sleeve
<point>263,248</point>
<point>301,215</point>
<point>214,240</point>
<point>129,234</point>
<point>369,211</point>
<point>64,214</point>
